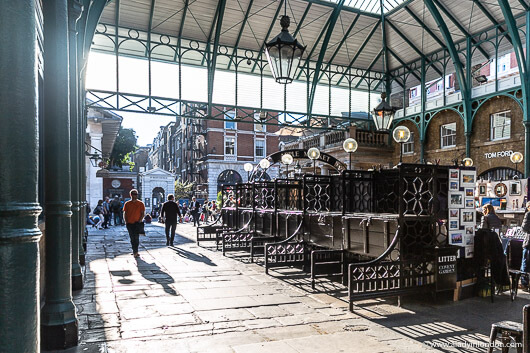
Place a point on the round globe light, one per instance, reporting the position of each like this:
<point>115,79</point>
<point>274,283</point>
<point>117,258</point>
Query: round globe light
<point>350,145</point>
<point>313,153</point>
<point>516,157</point>
<point>468,162</point>
<point>401,134</point>
<point>264,163</point>
<point>287,159</point>
<point>248,167</point>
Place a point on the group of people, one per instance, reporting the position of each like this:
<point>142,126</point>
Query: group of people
<point>195,212</point>
<point>106,212</point>
<point>491,221</point>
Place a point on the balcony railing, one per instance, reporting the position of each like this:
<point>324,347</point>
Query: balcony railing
<point>336,138</point>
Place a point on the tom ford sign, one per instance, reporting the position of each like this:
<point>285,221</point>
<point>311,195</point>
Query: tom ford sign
<point>499,154</point>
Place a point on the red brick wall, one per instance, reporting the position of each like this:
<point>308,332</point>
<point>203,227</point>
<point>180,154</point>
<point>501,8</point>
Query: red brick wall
<point>126,186</point>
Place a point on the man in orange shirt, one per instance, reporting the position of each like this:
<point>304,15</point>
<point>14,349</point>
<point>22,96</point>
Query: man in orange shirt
<point>133,214</point>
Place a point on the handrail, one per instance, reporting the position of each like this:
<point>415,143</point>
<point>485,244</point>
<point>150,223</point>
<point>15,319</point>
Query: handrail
<point>246,226</point>
<point>383,255</point>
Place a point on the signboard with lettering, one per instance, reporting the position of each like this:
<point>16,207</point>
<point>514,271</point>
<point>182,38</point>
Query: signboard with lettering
<point>445,268</point>
<point>498,154</point>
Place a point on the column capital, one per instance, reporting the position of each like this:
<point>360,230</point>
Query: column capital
<point>75,9</point>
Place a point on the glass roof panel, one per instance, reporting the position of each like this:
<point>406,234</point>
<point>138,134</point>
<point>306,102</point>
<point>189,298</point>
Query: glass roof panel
<point>372,6</point>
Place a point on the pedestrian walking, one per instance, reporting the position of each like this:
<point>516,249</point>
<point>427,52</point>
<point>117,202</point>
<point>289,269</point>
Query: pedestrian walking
<point>115,207</point>
<point>98,213</point>
<point>133,213</point>
<point>525,226</point>
<point>170,213</point>
<point>106,213</point>
<point>194,210</point>
<point>205,210</point>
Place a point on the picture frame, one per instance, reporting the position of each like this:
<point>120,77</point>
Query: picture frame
<point>454,174</point>
<point>469,202</point>
<point>469,240</point>
<point>468,178</point>
<point>482,189</point>
<point>454,224</point>
<point>469,251</point>
<point>456,199</point>
<point>470,192</point>
<point>453,185</point>
<point>456,237</point>
<point>515,188</point>
<point>467,217</point>
<point>454,214</point>
<point>469,230</point>
<point>500,189</point>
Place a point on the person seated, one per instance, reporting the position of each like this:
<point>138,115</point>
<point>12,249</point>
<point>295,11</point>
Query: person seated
<point>490,220</point>
<point>148,218</point>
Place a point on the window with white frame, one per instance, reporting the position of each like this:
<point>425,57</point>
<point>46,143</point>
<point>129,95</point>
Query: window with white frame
<point>413,93</point>
<point>448,135</point>
<point>408,147</point>
<point>230,146</point>
<point>258,127</point>
<point>259,147</point>
<point>230,125</point>
<point>500,125</point>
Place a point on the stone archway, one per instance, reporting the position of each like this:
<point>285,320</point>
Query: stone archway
<point>158,196</point>
<point>228,177</point>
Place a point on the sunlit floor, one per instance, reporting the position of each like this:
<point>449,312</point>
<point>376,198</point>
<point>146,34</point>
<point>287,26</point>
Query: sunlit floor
<point>192,299</point>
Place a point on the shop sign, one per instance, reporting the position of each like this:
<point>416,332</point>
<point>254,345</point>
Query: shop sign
<point>499,154</point>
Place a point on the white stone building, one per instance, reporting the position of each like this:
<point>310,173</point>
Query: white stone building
<point>155,185</point>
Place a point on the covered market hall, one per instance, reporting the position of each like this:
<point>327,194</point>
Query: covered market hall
<point>453,76</point>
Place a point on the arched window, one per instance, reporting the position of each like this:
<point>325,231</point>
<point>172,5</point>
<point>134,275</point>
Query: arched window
<point>501,173</point>
<point>228,177</point>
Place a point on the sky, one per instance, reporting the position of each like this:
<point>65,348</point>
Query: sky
<point>134,79</point>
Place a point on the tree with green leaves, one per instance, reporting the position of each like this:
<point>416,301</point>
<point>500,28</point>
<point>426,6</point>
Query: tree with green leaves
<point>183,189</point>
<point>123,146</point>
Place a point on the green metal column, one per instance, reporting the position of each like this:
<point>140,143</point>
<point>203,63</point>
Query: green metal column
<point>74,12</point>
<point>423,104</point>
<point>19,234</point>
<point>58,316</point>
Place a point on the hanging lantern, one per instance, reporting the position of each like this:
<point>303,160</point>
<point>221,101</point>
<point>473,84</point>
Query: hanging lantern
<point>468,162</point>
<point>383,114</point>
<point>284,53</point>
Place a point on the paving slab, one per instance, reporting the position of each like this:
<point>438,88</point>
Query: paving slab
<point>192,299</point>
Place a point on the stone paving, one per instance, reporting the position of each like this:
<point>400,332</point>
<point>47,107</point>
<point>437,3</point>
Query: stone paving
<point>192,299</point>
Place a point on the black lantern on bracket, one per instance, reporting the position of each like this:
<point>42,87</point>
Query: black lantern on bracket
<point>284,53</point>
<point>383,114</point>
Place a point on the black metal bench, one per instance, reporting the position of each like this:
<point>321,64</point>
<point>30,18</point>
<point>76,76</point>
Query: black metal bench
<point>208,232</point>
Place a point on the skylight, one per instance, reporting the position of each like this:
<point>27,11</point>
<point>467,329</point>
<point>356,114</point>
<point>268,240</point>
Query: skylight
<point>372,6</point>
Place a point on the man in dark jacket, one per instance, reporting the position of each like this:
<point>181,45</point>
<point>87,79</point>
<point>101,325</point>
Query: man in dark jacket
<point>526,251</point>
<point>169,213</point>
<point>194,210</point>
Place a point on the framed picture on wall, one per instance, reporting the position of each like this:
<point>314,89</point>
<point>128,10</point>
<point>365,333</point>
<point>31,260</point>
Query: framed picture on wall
<point>467,217</point>
<point>470,230</point>
<point>515,188</point>
<point>454,214</point>
<point>454,174</point>
<point>470,192</point>
<point>482,190</point>
<point>453,185</point>
<point>453,224</point>
<point>456,199</point>
<point>456,237</point>
<point>470,251</point>
<point>468,178</point>
<point>469,202</point>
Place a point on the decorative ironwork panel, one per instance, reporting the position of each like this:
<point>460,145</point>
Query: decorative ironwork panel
<point>358,191</point>
<point>418,190</point>
<point>386,191</point>
<point>317,193</point>
<point>264,195</point>
<point>285,253</point>
<point>244,195</point>
<point>289,194</point>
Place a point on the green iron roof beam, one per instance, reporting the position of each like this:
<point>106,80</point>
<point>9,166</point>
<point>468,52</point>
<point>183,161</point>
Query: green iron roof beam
<point>525,6</point>
<point>404,64</point>
<point>247,13</point>
<point>181,27</point>
<point>260,53</point>
<point>366,40</point>
<point>94,14</point>
<point>427,29</point>
<point>370,67</point>
<point>420,53</point>
<point>386,67</point>
<point>491,18</point>
<point>404,4</point>
<point>460,27</point>
<point>344,38</point>
<point>150,26</point>
<point>213,59</point>
<point>82,23</point>
<point>326,26</point>
<point>346,8</point>
<point>316,76</point>
<point>299,25</point>
<point>209,40</point>
<point>459,69</point>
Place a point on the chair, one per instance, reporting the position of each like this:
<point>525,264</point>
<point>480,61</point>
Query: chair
<point>512,330</point>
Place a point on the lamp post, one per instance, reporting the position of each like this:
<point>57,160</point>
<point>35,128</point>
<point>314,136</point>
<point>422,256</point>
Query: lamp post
<point>401,135</point>
<point>313,153</point>
<point>383,114</point>
<point>287,159</point>
<point>284,53</point>
<point>297,169</point>
<point>350,146</point>
<point>248,168</point>
<point>516,158</point>
<point>468,162</point>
